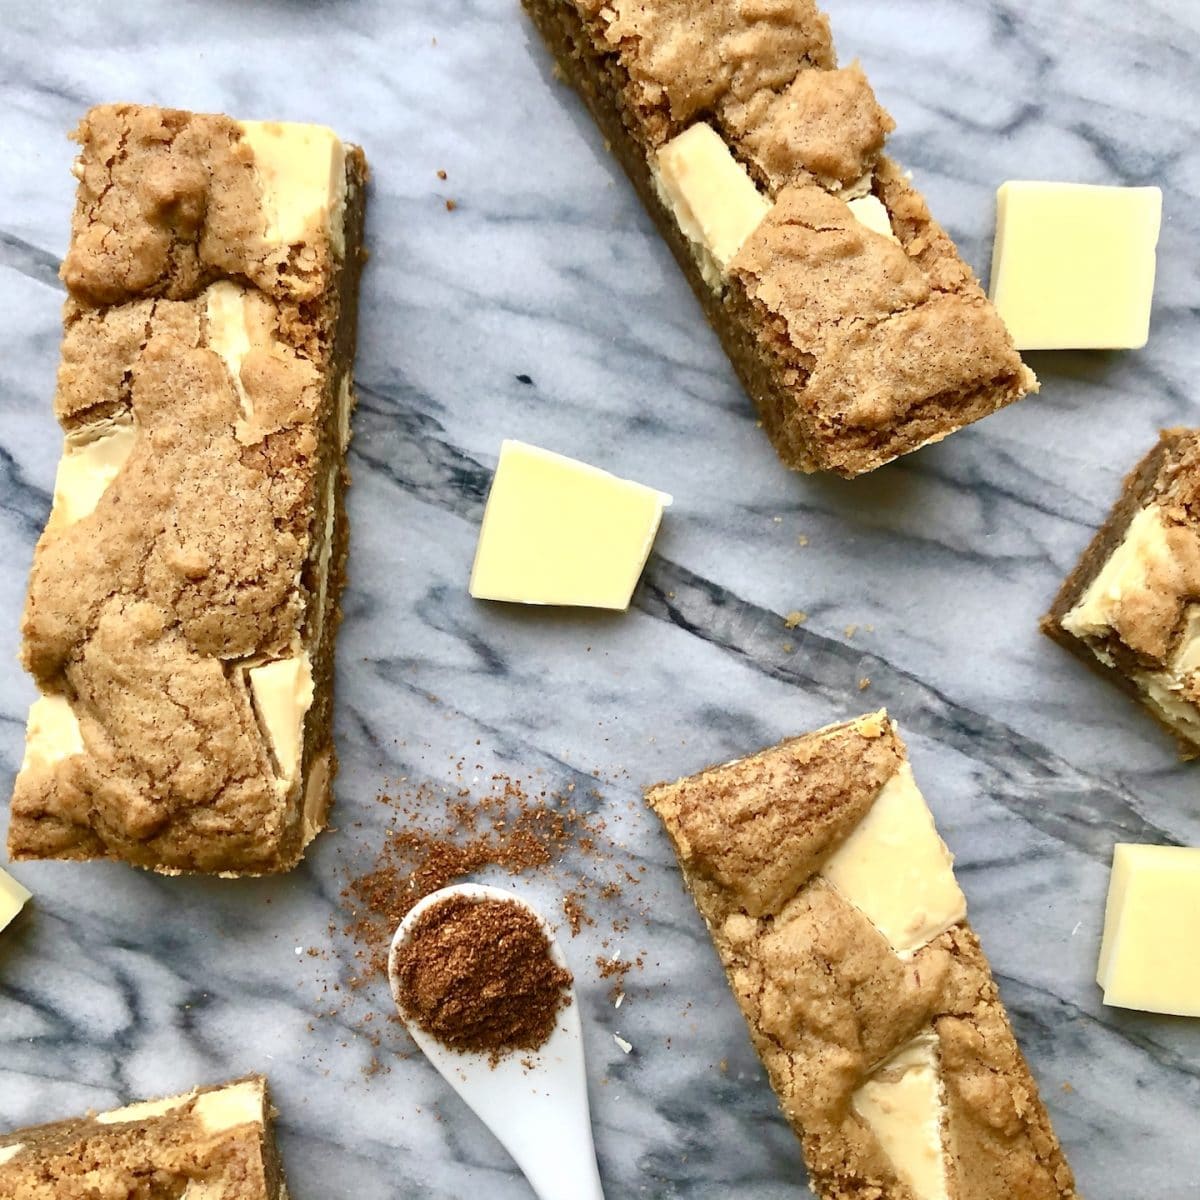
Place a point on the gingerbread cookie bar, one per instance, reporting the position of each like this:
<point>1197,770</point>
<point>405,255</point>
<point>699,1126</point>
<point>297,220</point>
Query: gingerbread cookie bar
<point>833,905</point>
<point>1131,608</point>
<point>183,601</point>
<point>845,308</point>
<point>214,1143</point>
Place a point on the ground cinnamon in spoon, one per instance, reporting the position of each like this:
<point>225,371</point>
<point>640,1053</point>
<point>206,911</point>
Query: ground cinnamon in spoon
<point>477,975</point>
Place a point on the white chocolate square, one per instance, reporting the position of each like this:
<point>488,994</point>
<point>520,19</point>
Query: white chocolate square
<point>558,531</point>
<point>1073,265</point>
<point>1149,956</point>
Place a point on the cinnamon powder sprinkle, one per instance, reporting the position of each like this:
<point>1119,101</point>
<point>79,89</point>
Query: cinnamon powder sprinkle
<point>576,914</point>
<point>477,975</point>
<point>508,827</point>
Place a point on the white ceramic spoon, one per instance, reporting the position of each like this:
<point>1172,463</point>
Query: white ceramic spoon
<point>539,1113</point>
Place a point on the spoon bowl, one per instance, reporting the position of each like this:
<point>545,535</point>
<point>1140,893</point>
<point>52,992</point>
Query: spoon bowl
<point>535,1102</point>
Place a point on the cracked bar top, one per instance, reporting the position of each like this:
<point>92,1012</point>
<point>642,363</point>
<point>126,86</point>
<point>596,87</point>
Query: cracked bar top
<point>169,201</point>
<point>1132,606</point>
<point>832,903</point>
<point>213,1143</point>
<point>182,578</point>
<point>860,336</point>
<point>685,59</point>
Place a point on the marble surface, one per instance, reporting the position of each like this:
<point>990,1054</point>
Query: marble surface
<point>545,308</point>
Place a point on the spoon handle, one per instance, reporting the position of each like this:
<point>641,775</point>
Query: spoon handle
<point>581,1181</point>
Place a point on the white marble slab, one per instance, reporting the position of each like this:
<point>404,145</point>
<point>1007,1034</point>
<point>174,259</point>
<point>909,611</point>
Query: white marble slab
<point>117,985</point>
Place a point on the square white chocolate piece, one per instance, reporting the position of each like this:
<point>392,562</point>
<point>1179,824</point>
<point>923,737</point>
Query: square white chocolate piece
<point>557,531</point>
<point>13,898</point>
<point>896,870</point>
<point>716,203</point>
<point>1150,953</point>
<point>1073,265</point>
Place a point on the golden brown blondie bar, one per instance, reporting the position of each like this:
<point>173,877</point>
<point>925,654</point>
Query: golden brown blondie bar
<point>845,308</point>
<point>183,601</point>
<point>833,906</point>
<point>1131,608</point>
<point>214,1143</point>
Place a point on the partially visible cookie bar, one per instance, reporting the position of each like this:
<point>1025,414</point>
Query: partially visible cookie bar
<point>847,311</point>
<point>833,905</point>
<point>1131,608</point>
<point>214,1143</point>
<point>183,601</point>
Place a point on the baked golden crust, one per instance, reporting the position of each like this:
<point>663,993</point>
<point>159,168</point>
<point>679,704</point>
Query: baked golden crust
<point>838,389</point>
<point>685,59</point>
<point>825,996</point>
<point>218,544</point>
<point>826,125</point>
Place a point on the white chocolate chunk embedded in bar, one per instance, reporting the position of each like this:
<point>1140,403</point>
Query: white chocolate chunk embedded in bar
<point>902,1104</point>
<point>715,202</point>
<point>51,733</point>
<point>143,1110</point>
<point>1127,585</point>
<point>302,172</point>
<point>228,1107</point>
<point>1126,572</point>
<point>236,320</point>
<point>869,211</point>
<point>92,458</point>
<point>897,871</point>
<point>217,1110</point>
<point>283,694</point>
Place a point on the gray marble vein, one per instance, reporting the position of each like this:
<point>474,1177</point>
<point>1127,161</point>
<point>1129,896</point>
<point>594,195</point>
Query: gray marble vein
<point>545,308</point>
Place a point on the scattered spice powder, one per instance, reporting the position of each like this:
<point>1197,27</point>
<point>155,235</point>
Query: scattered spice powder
<point>574,911</point>
<point>477,975</point>
<point>473,823</point>
<point>618,968</point>
<point>507,827</point>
